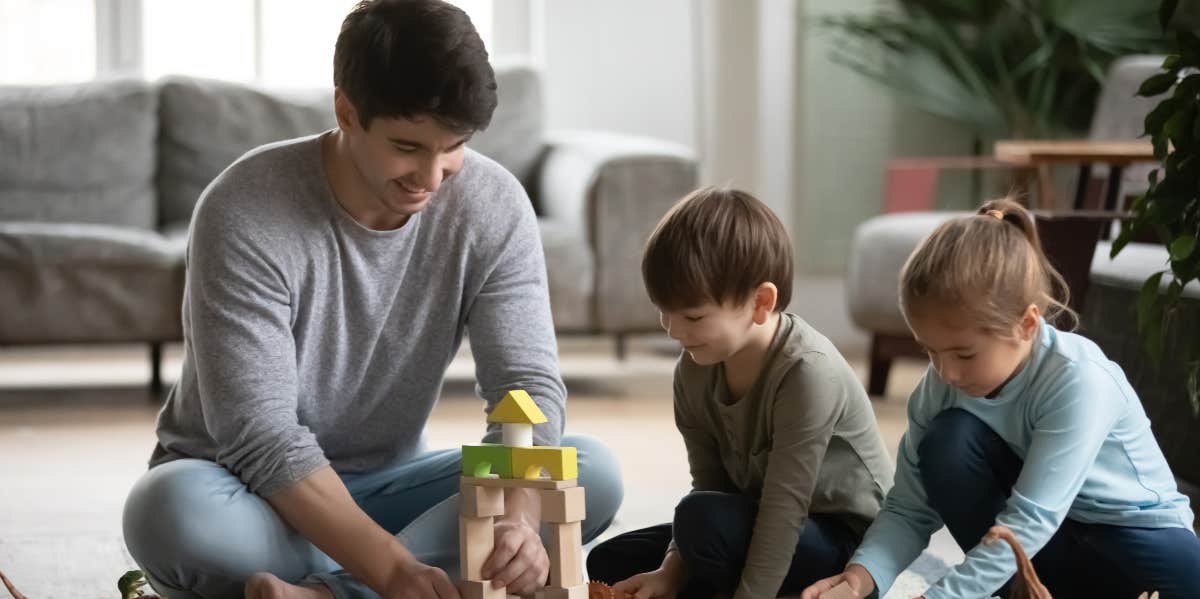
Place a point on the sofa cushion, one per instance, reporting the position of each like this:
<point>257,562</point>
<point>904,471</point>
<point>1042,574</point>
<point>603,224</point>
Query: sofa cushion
<point>515,136</point>
<point>79,153</point>
<point>207,124</point>
<point>878,252</point>
<point>1131,268</point>
<point>74,282</point>
<point>570,271</point>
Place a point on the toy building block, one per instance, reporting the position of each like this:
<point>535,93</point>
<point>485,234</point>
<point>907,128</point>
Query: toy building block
<point>480,589</point>
<point>563,505</point>
<point>541,483</point>
<point>575,592</point>
<point>479,461</point>
<point>1025,583</point>
<point>566,550</point>
<point>477,502</point>
<point>841,591</point>
<point>476,539</point>
<point>517,408</point>
<point>560,462</point>
<point>516,435</point>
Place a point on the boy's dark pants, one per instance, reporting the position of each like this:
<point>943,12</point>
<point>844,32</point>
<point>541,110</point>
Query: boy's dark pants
<point>968,472</point>
<point>712,531</point>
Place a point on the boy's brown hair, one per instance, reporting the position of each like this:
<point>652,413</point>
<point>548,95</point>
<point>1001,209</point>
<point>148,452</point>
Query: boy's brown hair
<point>717,245</point>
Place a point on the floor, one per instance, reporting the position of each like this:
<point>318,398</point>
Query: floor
<point>76,427</point>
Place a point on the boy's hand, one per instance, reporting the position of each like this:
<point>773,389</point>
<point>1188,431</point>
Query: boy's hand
<point>658,584</point>
<point>859,579</point>
<point>519,560</point>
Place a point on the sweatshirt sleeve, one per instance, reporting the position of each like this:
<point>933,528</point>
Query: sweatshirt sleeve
<point>238,321</point>
<point>806,410</point>
<point>1070,425</point>
<point>903,527</point>
<point>509,321</point>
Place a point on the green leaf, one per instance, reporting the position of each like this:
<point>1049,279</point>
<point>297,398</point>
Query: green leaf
<point>1148,298</point>
<point>1171,62</point>
<point>1165,11</point>
<point>1157,117</point>
<point>1156,84</point>
<point>1182,247</point>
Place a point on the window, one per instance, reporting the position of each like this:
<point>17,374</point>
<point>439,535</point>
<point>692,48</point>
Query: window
<point>280,43</point>
<point>47,41</point>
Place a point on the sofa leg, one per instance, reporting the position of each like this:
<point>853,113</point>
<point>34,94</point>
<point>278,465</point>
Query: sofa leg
<point>621,346</point>
<point>156,370</point>
<point>880,364</point>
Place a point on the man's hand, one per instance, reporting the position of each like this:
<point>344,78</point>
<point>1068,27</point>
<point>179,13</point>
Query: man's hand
<point>519,560</point>
<point>659,584</point>
<point>414,580</point>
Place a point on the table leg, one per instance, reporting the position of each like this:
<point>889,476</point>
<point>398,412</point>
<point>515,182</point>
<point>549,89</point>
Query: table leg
<point>1114,187</point>
<point>1081,187</point>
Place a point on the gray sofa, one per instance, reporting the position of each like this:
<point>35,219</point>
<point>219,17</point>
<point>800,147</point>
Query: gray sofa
<point>98,182</point>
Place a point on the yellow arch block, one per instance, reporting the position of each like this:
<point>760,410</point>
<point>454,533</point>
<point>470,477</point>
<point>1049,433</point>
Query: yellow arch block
<point>560,462</point>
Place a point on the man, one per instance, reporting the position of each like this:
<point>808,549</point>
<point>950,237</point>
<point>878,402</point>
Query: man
<point>330,281</point>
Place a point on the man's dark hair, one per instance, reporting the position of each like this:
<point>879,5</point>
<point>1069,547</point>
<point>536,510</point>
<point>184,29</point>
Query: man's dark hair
<point>405,58</point>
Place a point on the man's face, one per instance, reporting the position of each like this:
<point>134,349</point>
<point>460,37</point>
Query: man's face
<point>402,161</point>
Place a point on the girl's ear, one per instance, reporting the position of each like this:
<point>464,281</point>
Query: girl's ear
<point>765,297</point>
<point>1030,319</point>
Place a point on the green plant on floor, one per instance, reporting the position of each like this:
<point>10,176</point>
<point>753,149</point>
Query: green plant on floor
<point>130,584</point>
<point>1170,208</point>
<point>1008,68</point>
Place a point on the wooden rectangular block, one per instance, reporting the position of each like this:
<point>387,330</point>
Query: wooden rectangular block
<point>561,463</point>
<point>566,550</point>
<point>485,459</point>
<point>542,483</point>
<point>476,539</point>
<point>563,505</point>
<point>480,589</point>
<point>478,501</point>
<point>841,591</point>
<point>575,592</point>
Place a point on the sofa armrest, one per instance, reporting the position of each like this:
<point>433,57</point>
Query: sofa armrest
<point>612,189</point>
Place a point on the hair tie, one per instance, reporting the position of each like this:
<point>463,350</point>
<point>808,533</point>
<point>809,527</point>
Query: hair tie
<point>996,213</point>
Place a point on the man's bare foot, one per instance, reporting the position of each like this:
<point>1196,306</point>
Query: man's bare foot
<point>266,586</point>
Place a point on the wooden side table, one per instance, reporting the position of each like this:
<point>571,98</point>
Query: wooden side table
<point>1041,154</point>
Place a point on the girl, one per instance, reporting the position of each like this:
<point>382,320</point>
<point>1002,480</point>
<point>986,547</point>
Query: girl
<point>1023,425</point>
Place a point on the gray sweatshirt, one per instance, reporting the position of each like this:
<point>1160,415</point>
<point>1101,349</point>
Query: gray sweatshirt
<point>312,340</point>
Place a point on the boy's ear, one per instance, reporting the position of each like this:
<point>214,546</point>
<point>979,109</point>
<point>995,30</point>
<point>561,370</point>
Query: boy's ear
<point>765,297</point>
<point>344,111</point>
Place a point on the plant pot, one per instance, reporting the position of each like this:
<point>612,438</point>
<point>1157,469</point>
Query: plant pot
<point>1109,318</point>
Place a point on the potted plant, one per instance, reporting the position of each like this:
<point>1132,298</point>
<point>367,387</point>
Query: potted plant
<point>1168,321</point>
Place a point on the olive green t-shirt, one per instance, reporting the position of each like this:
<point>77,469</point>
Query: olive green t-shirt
<point>802,440</point>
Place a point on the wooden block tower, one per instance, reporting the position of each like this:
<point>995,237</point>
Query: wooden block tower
<point>488,468</point>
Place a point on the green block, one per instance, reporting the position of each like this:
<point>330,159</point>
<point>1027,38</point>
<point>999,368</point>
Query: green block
<point>486,459</point>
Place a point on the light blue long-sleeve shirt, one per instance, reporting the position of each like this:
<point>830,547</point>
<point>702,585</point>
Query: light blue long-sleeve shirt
<point>1088,454</point>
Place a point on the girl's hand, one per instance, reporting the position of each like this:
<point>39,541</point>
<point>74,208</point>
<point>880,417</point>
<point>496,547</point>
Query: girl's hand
<point>658,584</point>
<point>855,576</point>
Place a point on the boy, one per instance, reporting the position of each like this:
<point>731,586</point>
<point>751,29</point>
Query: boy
<point>788,467</point>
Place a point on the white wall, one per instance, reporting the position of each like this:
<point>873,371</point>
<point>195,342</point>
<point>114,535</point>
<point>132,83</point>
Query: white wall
<point>622,65</point>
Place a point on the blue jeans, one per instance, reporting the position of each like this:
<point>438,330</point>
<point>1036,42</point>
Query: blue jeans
<point>197,532</point>
<point>712,531</point>
<point>968,472</point>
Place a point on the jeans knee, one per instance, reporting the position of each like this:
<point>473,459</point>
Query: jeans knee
<point>953,435</point>
<point>693,527</point>
<point>600,475</point>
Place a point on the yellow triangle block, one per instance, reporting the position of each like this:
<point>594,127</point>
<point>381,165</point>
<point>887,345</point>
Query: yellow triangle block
<point>517,408</point>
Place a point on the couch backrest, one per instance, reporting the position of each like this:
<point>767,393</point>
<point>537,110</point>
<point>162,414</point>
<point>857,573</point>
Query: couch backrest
<point>205,125</point>
<point>79,153</point>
